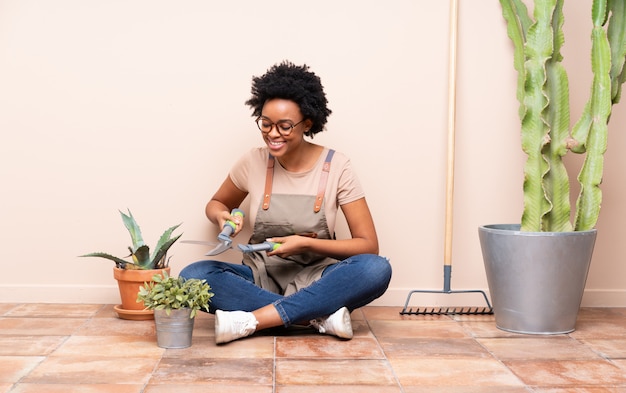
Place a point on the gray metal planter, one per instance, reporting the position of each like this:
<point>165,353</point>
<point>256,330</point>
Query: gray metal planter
<point>536,279</point>
<point>174,330</point>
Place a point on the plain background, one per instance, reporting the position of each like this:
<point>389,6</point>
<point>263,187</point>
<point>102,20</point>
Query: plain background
<point>109,105</point>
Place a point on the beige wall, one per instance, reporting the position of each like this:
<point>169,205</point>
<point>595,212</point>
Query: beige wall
<point>112,104</point>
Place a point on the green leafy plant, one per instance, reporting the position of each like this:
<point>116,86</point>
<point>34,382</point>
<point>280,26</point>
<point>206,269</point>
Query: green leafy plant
<point>139,251</point>
<point>169,293</point>
<point>543,94</point>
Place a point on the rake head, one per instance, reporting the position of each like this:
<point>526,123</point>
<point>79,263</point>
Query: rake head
<point>448,311</point>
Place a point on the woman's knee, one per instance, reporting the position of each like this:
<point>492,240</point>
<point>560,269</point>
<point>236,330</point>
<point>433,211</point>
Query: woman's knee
<point>190,271</point>
<point>376,267</point>
<point>200,269</point>
<point>369,267</point>
<point>209,269</point>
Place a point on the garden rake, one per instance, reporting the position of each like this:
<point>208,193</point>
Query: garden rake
<point>447,267</point>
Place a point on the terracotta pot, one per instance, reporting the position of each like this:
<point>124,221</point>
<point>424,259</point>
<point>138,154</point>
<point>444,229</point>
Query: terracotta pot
<point>129,282</point>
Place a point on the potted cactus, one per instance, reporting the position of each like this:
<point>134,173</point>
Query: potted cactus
<point>175,302</point>
<point>142,266</point>
<point>522,261</point>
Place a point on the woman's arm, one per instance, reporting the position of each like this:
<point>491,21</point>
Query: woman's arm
<point>363,237</point>
<point>227,197</point>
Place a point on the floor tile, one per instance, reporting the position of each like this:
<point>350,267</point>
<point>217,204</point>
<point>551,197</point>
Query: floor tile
<point>361,328</point>
<point>204,326</point>
<point>86,369</point>
<point>453,372</point>
<point>39,326</point>
<point>613,349</point>
<point>338,389</point>
<point>13,345</point>
<point>372,313</point>
<point>36,310</point>
<point>203,388</point>
<point>465,389</point>
<point>6,307</point>
<point>617,310</point>
<point>486,329</point>
<point>14,368</point>
<point>621,363</point>
<point>552,347</point>
<point>475,318</point>
<point>581,389</point>
<point>86,348</point>
<point>76,388</point>
<point>357,315</point>
<point>569,373</point>
<point>213,371</point>
<point>326,347</point>
<point>116,327</point>
<point>205,348</point>
<point>340,372</point>
<point>600,328</point>
<point>393,314</point>
<point>600,313</point>
<point>418,328</point>
<point>421,347</point>
<point>110,346</point>
<point>108,311</point>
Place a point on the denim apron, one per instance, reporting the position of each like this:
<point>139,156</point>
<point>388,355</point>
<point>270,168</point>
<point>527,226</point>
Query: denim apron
<point>284,215</point>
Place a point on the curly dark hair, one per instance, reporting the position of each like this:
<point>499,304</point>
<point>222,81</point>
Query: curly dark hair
<point>296,83</point>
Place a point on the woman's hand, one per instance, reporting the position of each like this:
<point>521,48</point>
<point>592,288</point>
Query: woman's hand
<point>224,216</point>
<point>363,237</point>
<point>363,240</point>
<point>290,245</point>
<point>225,199</point>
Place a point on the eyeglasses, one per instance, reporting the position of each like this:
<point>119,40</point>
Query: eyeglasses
<point>284,127</point>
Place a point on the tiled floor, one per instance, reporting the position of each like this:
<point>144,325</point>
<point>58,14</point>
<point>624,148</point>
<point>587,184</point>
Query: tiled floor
<point>86,348</point>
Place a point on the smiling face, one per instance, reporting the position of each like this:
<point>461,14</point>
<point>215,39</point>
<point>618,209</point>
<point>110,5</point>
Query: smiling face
<point>286,113</point>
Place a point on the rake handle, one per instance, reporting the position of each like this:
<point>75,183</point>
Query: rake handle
<point>447,254</point>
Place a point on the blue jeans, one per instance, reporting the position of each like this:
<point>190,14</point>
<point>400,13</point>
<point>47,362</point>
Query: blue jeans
<point>353,283</point>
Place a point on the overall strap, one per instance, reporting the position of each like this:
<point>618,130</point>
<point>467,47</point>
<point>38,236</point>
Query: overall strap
<point>323,180</point>
<point>267,194</point>
<point>319,198</point>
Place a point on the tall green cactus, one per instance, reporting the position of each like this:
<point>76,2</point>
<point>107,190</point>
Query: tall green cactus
<point>543,94</point>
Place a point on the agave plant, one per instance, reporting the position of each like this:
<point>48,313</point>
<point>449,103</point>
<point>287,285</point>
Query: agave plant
<point>543,94</point>
<point>139,251</point>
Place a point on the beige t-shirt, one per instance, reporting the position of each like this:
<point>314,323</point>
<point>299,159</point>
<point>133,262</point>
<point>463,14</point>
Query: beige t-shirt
<point>343,185</point>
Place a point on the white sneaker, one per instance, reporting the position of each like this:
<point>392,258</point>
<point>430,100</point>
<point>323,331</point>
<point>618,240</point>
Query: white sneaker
<point>338,324</point>
<point>231,325</point>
